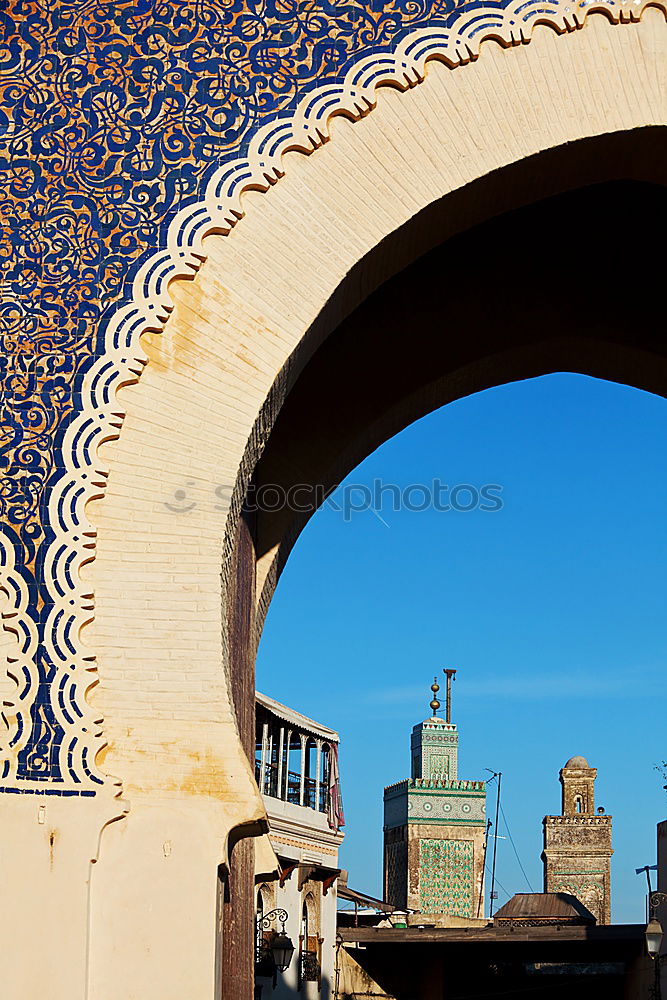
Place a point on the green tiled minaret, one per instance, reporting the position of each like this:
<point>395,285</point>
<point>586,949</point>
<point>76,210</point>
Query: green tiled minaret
<point>434,825</point>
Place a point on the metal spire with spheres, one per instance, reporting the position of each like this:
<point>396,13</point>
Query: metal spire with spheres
<point>435,704</point>
<point>435,687</point>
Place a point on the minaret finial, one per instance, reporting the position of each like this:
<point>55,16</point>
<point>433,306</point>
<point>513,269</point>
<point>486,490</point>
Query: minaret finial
<point>450,674</point>
<point>435,687</point>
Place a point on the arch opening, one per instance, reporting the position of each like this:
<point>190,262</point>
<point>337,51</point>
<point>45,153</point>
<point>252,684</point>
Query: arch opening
<point>550,303</point>
<point>537,290</point>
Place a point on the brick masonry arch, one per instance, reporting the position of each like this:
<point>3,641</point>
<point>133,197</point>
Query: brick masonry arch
<point>194,425</point>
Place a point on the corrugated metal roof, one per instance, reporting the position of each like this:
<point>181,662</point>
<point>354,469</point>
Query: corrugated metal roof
<point>544,906</point>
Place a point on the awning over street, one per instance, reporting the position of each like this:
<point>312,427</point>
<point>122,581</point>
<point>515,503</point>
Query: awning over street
<point>361,899</point>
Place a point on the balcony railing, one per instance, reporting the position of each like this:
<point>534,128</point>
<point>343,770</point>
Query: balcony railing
<point>310,967</point>
<point>291,791</point>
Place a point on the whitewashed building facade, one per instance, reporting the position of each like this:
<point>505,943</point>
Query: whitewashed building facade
<point>296,865</point>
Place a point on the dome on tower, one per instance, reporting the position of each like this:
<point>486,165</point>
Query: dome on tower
<point>577,762</point>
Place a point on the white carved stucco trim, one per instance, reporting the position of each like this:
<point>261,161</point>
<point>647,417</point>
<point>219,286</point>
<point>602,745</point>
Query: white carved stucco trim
<point>19,658</point>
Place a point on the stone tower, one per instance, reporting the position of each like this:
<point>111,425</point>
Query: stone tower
<point>577,844</point>
<point>434,826</point>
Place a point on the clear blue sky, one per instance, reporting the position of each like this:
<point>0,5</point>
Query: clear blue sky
<point>552,609</point>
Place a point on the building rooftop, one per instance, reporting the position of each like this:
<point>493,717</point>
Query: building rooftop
<point>298,720</point>
<point>544,908</point>
<point>389,937</point>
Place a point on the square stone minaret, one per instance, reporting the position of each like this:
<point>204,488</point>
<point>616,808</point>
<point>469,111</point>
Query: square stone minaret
<point>434,826</point>
<point>577,844</point>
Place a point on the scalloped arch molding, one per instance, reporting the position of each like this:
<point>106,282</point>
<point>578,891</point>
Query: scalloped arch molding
<point>53,734</point>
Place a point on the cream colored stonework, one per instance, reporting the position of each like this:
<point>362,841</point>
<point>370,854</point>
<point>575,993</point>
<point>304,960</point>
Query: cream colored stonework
<point>135,879</point>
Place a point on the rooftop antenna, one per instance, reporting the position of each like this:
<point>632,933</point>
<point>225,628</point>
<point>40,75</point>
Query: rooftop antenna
<point>489,824</point>
<point>435,704</point>
<point>647,869</point>
<point>451,675</point>
<point>492,894</point>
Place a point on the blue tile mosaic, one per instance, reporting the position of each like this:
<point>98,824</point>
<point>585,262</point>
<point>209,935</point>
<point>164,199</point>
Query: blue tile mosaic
<point>112,117</point>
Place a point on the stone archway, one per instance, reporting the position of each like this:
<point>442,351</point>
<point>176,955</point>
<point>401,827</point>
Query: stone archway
<point>426,163</point>
<point>409,348</point>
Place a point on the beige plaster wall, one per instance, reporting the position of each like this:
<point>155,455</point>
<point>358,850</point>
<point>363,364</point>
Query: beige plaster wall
<point>353,979</point>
